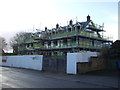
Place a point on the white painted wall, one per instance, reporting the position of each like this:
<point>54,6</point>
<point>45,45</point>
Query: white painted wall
<point>71,63</point>
<point>73,58</point>
<point>24,61</point>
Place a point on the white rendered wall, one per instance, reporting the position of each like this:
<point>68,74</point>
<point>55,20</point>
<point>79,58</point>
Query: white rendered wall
<point>24,61</point>
<point>71,63</point>
<point>73,58</point>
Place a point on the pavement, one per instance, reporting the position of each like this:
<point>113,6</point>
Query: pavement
<point>90,80</point>
<point>107,81</point>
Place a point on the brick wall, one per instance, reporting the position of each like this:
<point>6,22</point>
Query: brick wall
<point>95,64</point>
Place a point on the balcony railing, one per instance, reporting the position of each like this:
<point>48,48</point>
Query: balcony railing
<point>22,48</point>
<point>75,44</point>
<point>35,36</point>
<point>82,33</point>
<point>64,34</point>
<point>63,45</point>
<point>74,32</point>
<point>96,26</point>
<point>36,45</point>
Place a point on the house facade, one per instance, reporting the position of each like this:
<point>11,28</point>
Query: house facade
<point>58,41</point>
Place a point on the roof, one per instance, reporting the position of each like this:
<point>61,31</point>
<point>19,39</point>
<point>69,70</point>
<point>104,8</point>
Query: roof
<point>84,24</point>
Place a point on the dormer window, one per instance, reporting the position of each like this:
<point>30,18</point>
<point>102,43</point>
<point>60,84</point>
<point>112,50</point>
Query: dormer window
<point>69,29</point>
<point>56,32</point>
<point>60,31</point>
<point>78,27</point>
<point>53,32</point>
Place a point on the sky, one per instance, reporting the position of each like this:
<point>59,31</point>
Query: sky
<point>26,15</point>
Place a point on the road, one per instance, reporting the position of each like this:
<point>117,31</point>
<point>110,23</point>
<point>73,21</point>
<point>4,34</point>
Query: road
<point>24,78</point>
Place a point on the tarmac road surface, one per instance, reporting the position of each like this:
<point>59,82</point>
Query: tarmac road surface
<point>24,78</point>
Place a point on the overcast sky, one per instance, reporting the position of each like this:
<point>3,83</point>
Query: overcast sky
<point>21,15</point>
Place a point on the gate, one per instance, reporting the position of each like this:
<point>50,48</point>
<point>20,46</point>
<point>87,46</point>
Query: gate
<point>54,63</point>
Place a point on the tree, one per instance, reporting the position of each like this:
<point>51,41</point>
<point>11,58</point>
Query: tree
<point>3,45</point>
<point>20,37</point>
<point>112,52</point>
<point>104,53</point>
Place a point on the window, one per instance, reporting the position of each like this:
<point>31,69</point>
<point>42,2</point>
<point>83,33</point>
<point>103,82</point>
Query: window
<point>69,29</point>
<point>31,44</point>
<point>27,45</point>
<point>55,42</point>
<point>78,27</point>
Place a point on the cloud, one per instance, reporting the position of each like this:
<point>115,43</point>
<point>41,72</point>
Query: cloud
<point>111,31</point>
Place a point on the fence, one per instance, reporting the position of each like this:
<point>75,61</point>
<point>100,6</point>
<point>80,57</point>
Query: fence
<point>54,63</point>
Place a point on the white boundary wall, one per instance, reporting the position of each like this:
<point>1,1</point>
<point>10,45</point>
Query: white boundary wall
<point>24,61</point>
<point>73,58</point>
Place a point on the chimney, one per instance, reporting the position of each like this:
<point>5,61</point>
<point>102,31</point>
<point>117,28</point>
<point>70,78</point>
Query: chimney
<point>57,25</point>
<point>88,18</point>
<point>71,22</point>
<point>45,28</point>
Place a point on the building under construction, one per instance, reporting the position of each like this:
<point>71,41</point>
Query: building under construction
<point>58,41</point>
